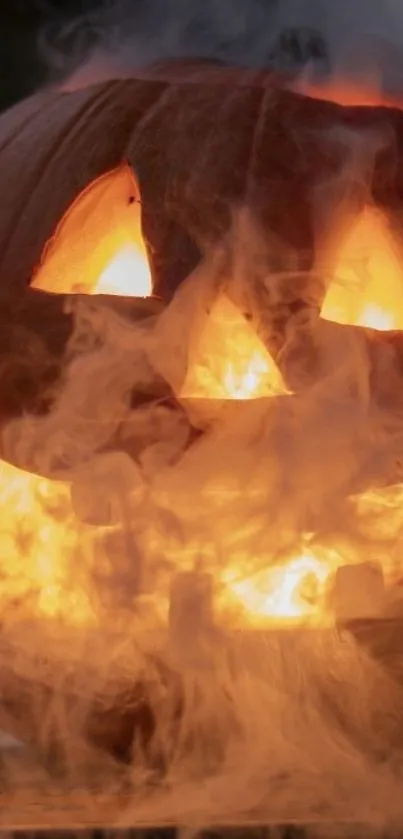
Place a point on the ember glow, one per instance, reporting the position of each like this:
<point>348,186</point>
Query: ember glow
<point>344,92</point>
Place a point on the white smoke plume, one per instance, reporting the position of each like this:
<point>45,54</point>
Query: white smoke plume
<point>361,40</point>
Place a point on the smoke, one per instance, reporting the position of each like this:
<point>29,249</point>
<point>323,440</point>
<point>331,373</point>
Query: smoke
<point>308,38</point>
<point>137,672</point>
<point>140,670</point>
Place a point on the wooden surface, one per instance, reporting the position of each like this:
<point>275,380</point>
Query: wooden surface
<point>36,795</point>
<point>38,809</point>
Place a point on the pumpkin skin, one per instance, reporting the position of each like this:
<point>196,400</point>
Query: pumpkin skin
<point>201,142</point>
<point>202,139</point>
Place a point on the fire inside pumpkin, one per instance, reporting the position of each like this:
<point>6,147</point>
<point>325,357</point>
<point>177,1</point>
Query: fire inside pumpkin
<point>98,247</point>
<point>367,288</point>
<point>50,558</point>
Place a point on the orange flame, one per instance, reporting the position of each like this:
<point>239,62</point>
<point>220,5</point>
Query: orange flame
<point>230,360</point>
<point>39,541</point>
<point>290,592</point>
<point>367,279</point>
<point>98,247</point>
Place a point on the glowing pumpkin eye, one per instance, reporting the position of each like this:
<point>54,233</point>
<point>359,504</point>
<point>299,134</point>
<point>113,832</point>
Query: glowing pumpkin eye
<point>98,246</point>
<point>366,287</point>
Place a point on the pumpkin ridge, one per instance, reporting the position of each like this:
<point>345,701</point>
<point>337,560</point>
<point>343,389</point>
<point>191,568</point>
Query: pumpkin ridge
<point>216,119</point>
<point>9,140</point>
<point>257,138</point>
<point>213,133</point>
<point>147,117</point>
<point>228,104</point>
<point>88,110</point>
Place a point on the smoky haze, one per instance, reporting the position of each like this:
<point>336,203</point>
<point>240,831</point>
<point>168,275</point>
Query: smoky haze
<point>280,732</point>
<point>360,39</point>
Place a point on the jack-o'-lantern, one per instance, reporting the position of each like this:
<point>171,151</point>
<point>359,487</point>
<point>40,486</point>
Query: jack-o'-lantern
<point>201,350</point>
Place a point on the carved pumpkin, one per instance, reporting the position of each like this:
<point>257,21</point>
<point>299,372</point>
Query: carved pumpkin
<point>202,140</point>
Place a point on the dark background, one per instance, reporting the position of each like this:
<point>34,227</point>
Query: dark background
<point>42,41</point>
<point>22,67</point>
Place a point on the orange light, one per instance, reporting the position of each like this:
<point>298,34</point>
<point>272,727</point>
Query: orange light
<point>366,288</point>
<point>98,247</point>
<point>348,94</point>
<point>214,502</point>
<point>40,547</point>
<point>230,361</point>
<point>288,592</point>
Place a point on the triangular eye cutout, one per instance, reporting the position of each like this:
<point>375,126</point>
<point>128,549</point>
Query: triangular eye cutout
<point>98,246</point>
<point>366,286</point>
